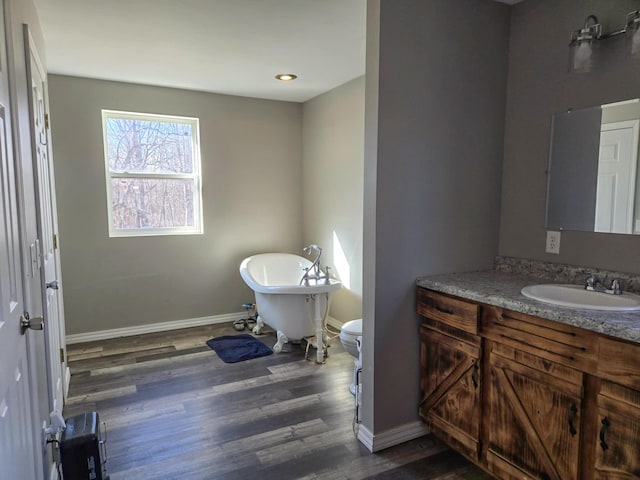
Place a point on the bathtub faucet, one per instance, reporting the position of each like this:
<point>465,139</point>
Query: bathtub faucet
<point>314,272</point>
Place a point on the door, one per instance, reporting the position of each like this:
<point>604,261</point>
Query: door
<point>534,419</point>
<point>618,442</point>
<point>451,389</point>
<point>47,226</point>
<point>617,166</point>
<point>19,458</point>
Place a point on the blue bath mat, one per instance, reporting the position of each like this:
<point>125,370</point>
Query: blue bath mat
<point>237,348</point>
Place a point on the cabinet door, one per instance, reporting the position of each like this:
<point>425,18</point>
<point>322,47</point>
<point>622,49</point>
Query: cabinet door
<point>451,390</point>
<point>618,445</point>
<point>535,414</point>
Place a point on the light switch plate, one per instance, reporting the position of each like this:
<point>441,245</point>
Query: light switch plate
<point>553,242</point>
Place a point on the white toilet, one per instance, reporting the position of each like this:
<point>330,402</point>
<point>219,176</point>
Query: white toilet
<point>350,337</point>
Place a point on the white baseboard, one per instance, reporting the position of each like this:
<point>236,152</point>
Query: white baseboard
<point>153,327</point>
<point>391,437</point>
<point>365,437</point>
<point>335,323</point>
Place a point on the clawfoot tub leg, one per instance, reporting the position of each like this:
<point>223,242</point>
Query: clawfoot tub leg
<point>259,326</point>
<point>282,339</point>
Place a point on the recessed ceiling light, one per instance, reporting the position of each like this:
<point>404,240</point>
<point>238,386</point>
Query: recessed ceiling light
<point>286,77</point>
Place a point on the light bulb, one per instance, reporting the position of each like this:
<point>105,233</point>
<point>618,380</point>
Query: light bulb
<point>635,43</point>
<point>582,57</point>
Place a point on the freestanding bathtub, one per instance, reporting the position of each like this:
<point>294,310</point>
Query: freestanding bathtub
<point>295,311</point>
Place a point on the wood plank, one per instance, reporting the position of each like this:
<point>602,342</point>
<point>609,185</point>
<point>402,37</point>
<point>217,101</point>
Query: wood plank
<point>589,428</point>
<point>452,311</point>
<point>538,363</point>
<point>431,324</point>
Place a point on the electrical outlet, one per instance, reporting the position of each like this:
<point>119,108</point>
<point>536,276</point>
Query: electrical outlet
<point>553,242</point>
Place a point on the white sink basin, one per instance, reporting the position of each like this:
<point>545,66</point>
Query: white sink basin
<point>576,296</point>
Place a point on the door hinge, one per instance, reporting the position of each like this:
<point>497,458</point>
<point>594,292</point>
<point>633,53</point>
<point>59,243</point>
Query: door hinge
<point>46,121</point>
<point>55,241</point>
<point>62,355</point>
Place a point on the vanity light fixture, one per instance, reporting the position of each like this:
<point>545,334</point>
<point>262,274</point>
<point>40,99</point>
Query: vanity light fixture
<point>584,46</point>
<point>583,43</point>
<point>633,33</point>
<point>286,77</point>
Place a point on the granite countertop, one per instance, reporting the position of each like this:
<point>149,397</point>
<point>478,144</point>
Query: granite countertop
<point>503,290</point>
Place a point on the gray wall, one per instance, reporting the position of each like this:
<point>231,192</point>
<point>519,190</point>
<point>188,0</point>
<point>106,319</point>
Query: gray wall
<point>251,168</point>
<point>435,193</point>
<point>333,161</point>
<point>540,85</point>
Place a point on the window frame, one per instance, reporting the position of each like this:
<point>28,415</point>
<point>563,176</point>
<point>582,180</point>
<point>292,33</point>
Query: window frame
<point>195,176</point>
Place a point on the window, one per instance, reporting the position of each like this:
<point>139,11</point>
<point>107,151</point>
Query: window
<point>153,174</point>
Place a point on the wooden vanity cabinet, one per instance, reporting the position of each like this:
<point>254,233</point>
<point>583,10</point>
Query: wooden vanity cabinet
<point>450,377</point>
<point>528,398</point>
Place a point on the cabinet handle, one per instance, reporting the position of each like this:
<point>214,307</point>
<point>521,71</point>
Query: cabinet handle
<point>443,310</point>
<point>474,375</point>
<point>573,410</point>
<point>603,433</point>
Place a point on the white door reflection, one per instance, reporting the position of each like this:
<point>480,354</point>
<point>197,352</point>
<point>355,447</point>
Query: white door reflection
<point>616,186</point>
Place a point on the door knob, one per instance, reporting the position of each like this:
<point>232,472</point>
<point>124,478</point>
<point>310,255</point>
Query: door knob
<point>35,323</point>
<point>53,285</point>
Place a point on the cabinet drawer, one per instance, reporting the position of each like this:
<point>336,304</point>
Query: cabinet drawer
<point>564,344</point>
<point>620,362</point>
<point>448,310</point>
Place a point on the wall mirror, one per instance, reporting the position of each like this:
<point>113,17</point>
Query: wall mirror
<point>593,181</point>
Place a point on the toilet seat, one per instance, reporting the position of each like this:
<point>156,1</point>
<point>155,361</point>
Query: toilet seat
<point>353,327</point>
<point>349,332</point>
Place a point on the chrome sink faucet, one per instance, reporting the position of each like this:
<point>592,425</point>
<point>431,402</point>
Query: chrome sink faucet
<point>593,284</point>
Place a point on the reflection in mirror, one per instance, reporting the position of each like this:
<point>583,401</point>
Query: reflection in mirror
<point>592,181</point>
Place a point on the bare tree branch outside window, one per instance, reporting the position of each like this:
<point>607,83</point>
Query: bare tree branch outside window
<point>153,173</point>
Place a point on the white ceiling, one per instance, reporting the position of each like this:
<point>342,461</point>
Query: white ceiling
<point>226,46</point>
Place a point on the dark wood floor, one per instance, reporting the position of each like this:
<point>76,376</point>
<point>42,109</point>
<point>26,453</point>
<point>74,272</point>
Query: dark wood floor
<point>174,410</point>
